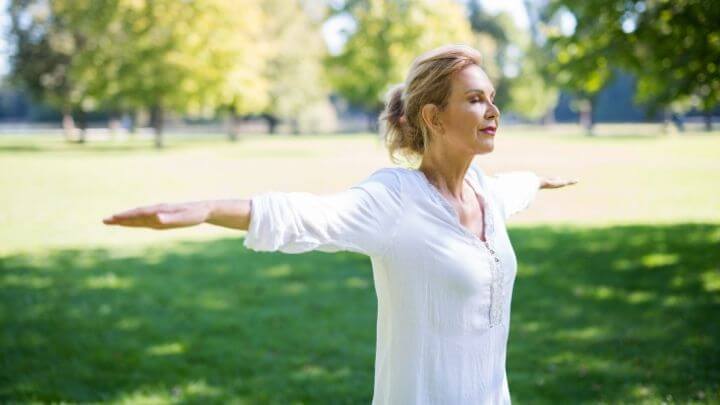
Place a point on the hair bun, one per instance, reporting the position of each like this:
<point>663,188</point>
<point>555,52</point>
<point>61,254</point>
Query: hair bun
<point>429,81</point>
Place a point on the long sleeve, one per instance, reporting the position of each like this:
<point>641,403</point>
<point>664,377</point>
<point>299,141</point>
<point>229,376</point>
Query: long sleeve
<point>359,219</point>
<point>515,190</point>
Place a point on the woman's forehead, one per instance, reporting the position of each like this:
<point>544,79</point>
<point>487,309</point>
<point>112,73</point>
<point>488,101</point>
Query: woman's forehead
<point>472,78</point>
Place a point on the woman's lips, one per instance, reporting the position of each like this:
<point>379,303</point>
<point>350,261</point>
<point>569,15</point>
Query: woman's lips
<point>488,130</point>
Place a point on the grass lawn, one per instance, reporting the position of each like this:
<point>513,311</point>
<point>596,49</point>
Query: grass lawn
<point>616,300</point>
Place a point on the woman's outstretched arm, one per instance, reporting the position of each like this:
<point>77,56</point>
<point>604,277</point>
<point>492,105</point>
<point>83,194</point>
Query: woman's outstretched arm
<point>234,213</point>
<point>360,218</point>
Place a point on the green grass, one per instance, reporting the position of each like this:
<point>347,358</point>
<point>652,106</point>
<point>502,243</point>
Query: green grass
<point>620,314</point>
<point>186,321</point>
<point>610,305</point>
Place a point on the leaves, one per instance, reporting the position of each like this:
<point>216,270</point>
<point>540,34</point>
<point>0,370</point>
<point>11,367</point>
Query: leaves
<point>389,35</point>
<point>669,46</point>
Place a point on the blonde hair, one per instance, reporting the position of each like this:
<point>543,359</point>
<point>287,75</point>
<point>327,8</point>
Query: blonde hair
<point>428,82</point>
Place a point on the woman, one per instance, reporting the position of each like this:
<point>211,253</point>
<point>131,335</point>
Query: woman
<point>443,265</point>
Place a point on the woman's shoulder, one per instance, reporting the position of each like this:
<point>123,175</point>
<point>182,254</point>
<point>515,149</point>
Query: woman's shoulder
<point>396,181</point>
<point>384,188</point>
<point>387,179</point>
<point>391,176</point>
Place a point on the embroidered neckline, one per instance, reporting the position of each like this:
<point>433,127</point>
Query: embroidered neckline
<point>478,191</point>
<point>497,288</point>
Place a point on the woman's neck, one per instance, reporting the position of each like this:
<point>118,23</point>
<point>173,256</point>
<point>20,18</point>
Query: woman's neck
<point>446,171</point>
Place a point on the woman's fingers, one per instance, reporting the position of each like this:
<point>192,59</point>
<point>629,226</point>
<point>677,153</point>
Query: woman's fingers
<point>556,182</point>
<point>569,182</point>
<point>140,216</point>
<point>134,220</point>
<point>133,213</point>
<point>160,216</point>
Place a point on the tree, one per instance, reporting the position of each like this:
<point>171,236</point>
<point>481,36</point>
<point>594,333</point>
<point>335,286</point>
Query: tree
<point>294,69</point>
<point>160,55</point>
<point>389,35</point>
<point>245,86</point>
<point>672,47</point>
<point>44,43</point>
<point>682,41</point>
<point>513,60</point>
<point>532,95</point>
<point>180,56</point>
<point>578,63</point>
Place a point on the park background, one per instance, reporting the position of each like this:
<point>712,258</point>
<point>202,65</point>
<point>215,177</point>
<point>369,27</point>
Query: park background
<point>110,104</point>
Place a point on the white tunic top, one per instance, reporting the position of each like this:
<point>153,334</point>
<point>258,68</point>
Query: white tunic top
<point>443,294</point>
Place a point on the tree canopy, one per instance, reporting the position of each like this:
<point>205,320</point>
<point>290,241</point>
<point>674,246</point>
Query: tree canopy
<point>672,47</point>
<point>388,36</point>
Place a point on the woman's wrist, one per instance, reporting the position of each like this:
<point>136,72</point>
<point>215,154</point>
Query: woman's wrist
<point>206,208</point>
<point>214,211</point>
<point>229,213</point>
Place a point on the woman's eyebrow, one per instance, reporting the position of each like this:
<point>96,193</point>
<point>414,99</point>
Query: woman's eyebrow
<point>481,91</point>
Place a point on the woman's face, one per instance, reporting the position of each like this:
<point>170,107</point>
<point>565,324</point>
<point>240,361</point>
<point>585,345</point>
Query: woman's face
<point>470,117</point>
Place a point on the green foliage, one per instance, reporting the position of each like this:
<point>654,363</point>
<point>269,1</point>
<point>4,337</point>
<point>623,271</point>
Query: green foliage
<point>182,56</point>
<point>388,36</point>
<point>580,62</point>
<point>514,62</point>
<point>244,86</point>
<point>128,54</point>
<point>44,45</point>
<point>490,37</point>
<point>683,42</point>
<point>294,70</point>
<point>673,48</point>
<point>532,96</point>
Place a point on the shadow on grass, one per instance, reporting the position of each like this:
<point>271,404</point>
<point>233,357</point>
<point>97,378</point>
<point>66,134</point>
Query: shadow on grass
<point>623,314</point>
<point>606,314</point>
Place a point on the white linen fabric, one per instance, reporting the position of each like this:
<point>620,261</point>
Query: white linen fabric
<point>444,295</point>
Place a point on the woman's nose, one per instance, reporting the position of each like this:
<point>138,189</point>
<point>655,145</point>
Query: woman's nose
<point>492,112</point>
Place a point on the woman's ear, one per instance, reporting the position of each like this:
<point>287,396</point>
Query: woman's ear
<point>430,115</point>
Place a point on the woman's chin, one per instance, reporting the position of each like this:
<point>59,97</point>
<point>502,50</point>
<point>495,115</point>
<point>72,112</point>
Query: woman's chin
<point>485,146</point>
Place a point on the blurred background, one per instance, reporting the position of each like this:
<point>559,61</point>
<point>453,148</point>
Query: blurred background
<point>110,104</point>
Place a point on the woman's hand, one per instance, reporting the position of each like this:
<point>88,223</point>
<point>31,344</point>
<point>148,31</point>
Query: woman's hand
<point>555,182</point>
<point>162,216</point>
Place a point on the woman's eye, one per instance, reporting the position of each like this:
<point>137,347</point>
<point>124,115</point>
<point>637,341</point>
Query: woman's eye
<point>475,100</point>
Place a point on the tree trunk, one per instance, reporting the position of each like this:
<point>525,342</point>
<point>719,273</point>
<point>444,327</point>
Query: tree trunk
<point>707,117</point>
<point>133,122</point>
<point>233,125</point>
<point>114,124</point>
<point>295,123</point>
<point>586,117</point>
<point>372,121</point>
<point>679,121</point>
<point>666,115</point>
<point>68,124</point>
<point>549,117</point>
<point>157,119</point>
<point>272,122</point>
<point>82,124</point>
